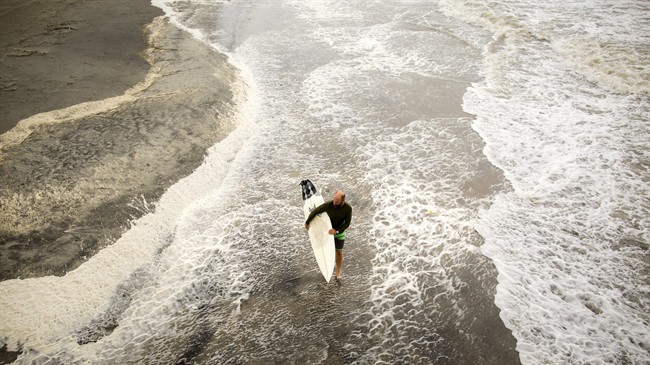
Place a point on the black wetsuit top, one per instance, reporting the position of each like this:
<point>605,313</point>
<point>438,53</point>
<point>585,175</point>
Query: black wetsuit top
<point>340,217</point>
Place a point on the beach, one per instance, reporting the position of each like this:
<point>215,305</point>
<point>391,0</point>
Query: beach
<point>59,53</point>
<point>95,89</point>
<point>495,159</point>
<point>154,206</point>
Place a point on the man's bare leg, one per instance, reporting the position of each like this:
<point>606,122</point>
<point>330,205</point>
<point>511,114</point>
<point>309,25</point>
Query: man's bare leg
<point>339,262</point>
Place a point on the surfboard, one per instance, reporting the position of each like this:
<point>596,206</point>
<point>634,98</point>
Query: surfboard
<point>321,241</point>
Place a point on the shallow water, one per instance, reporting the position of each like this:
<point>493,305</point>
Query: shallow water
<point>365,97</point>
<point>564,111</point>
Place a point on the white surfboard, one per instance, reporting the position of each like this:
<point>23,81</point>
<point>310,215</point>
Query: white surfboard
<point>321,241</point>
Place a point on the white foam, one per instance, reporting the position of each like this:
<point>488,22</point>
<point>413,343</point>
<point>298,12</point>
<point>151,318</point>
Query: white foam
<point>175,11</point>
<point>202,267</point>
<point>608,48</point>
<point>347,79</point>
<point>327,11</point>
<point>422,232</point>
<point>376,58</point>
<point>421,228</point>
<point>569,240</point>
<point>43,314</point>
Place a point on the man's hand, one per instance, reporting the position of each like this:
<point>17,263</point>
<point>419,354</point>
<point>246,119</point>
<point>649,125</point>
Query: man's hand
<point>307,226</point>
<point>332,231</point>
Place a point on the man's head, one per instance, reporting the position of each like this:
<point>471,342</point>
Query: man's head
<point>339,199</point>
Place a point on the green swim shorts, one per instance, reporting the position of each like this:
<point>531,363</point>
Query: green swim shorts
<point>339,240</point>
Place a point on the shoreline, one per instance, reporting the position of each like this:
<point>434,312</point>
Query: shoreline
<point>98,165</point>
<point>74,178</point>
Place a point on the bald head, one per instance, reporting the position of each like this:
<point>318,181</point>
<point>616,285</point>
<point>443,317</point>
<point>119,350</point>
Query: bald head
<point>339,199</point>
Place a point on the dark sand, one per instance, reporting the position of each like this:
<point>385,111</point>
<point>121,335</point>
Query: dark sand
<point>73,179</point>
<point>58,53</point>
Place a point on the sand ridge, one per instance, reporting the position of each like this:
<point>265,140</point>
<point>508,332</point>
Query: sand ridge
<point>73,179</point>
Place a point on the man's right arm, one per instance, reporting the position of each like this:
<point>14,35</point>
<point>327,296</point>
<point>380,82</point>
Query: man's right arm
<point>318,210</point>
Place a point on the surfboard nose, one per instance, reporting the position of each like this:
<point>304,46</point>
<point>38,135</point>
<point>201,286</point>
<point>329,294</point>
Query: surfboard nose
<point>308,189</point>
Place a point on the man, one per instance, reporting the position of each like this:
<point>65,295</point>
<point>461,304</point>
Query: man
<point>340,214</point>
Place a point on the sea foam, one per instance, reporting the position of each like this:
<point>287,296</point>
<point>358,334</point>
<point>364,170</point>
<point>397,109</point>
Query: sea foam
<point>563,111</point>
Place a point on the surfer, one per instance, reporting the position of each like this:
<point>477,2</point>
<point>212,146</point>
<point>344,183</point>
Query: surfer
<point>340,214</point>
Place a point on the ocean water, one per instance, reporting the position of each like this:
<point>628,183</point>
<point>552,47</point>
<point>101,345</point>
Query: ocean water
<point>564,111</point>
<point>513,229</point>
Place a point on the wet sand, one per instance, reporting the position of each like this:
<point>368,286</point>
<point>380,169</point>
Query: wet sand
<point>140,108</point>
<point>54,54</point>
